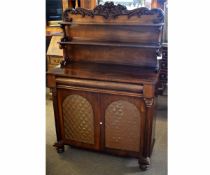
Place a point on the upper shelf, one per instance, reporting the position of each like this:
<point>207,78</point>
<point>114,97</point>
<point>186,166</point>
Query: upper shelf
<point>110,24</point>
<point>113,44</point>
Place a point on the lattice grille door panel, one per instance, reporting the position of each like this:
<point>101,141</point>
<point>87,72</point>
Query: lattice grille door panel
<point>122,126</point>
<point>78,119</point>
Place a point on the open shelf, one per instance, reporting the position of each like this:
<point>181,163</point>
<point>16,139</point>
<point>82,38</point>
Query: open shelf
<point>113,44</point>
<point>111,24</point>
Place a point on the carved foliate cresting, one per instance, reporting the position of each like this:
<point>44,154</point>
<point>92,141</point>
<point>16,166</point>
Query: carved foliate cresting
<point>109,10</point>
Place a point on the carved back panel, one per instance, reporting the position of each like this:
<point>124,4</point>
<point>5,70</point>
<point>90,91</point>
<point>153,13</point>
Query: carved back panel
<point>112,34</point>
<point>115,32</point>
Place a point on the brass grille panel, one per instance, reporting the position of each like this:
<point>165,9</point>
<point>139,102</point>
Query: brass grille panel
<point>78,119</point>
<point>122,126</point>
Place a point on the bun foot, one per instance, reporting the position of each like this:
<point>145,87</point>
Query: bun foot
<point>143,167</point>
<point>60,150</point>
<point>144,163</point>
<point>59,147</point>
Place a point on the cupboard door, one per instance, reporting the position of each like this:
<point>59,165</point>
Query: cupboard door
<point>79,118</point>
<point>123,123</point>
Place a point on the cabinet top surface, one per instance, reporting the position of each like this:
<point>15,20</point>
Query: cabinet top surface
<point>105,72</point>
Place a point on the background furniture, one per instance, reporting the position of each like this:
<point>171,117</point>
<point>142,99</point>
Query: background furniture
<point>163,69</point>
<point>104,94</point>
<point>54,9</point>
<point>54,53</point>
<point>164,61</point>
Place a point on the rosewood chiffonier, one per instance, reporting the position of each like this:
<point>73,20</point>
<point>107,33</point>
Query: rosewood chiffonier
<point>104,93</point>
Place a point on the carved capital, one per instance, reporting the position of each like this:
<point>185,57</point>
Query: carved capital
<point>149,102</point>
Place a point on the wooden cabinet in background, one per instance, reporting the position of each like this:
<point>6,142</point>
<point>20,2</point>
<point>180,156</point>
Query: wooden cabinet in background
<point>54,53</point>
<point>163,77</point>
<point>105,92</point>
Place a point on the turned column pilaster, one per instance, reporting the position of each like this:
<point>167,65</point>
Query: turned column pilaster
<point>59,144</point>
<point>149,95</point>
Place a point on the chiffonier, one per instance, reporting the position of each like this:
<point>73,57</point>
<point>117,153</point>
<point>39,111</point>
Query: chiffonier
<point>104,93</point>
